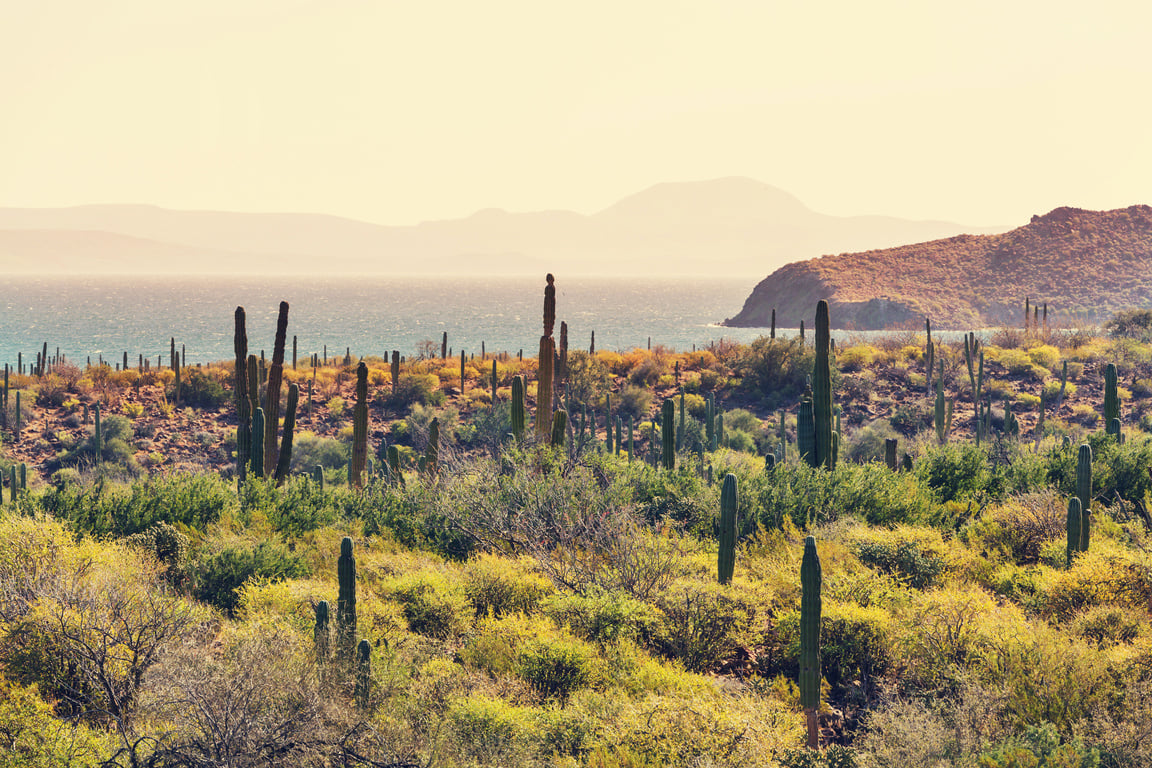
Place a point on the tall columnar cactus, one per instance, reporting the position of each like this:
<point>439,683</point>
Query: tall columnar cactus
<point>929,355</point>
<point>1075,528</point>
<point>772,333</point>
<point>810,604</point>
<point>284,460</point>
<point>562,355</point>
<point>463,381</point>
<point>726,559</point>
<point>1084,493</point>
<point>559,425</point>
<point>272,396</point>
<point>631,445</point>
<point>97,435</point>
<point>720,428</point>
<point>13,487</point>
<point>710,422</point>
<point>822,390</point>
<point>394,470</point>
<point>1111,398</point>
<point>363,674</point>
<point>806,432</point>
<point>890,453</point>
<point>346,600</point>
<point>518,407</point>
<point>318,477</point>
<point>257,444</point>
<point>681,428</point>
<point>619,444</point>
<point>395,370</point>
<point>432,450</point>
<point>493,382</point>
<point>608,422</point>
<point>254,396</point>
<point>320,632</point>
<point>942,414</point>
<point>547,353</point>
<point>444,346</point>
<point>668,434</point>
<point>360,426</point>
<point>176,380</point>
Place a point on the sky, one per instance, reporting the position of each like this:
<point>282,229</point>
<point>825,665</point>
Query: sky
<point>983,112</point>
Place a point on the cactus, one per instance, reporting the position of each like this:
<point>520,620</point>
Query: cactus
<point>1115,430</point>
<point>257,443</point>
<point>769,462</point>
<point>13,489</point>
<point>772,333</point>
<point>363,674</point>
<point>1075,528</point>
<point>1111,400</point>
<point>720,429</point>
<point>668,434</point>
<point>619,444</point>
<point>680,430</point>
<point>890,453</point>
<point>801,333</point>
<point>346,600</point>
<point>562,355</point>
<point>395,370</point>
<point>726,559</point>
<point>176,380</point>
<point>360,426</point>
<point>320,632</point>
<point>432,450</point>
<point>518,407</point>
<point>494,382</point>
<point>394,469</point>
<point>822,391</point>
<point>1084,493</point>
<point>810,582</point>
<point>805,432</point>
<point>608,422</point>
<point>253,395</point>
<point>559,424</point>
<point>942,413</point>
<point>592,344</point>
<point>284,459</point>
<point>97,434</point>
<point>23,477</point>
<point>906,462</point>
<point>463,381</point>
<point>444,346</point>
<point>318,476</point>
<point>929,356</point>
<point>272,393</point>
<point>631,445</point>
<point>547,353</point>
<point>710,422</point>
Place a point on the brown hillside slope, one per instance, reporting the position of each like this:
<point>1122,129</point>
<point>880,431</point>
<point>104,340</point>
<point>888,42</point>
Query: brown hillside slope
<point>1084,264</point>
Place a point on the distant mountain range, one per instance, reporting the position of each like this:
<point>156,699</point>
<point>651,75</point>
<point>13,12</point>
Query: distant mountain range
<point>1085,265</point>
<point>734,227</point>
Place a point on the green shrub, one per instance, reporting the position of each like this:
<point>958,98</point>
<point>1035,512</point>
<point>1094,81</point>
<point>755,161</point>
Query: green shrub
<point>855,642</point>
<point>490,731</point>
<point>221,567</point>
<point>602,617</point>
<point>704,625</point>
<point>433,604</point>
<point>633,401</point>
<point>498,586</point>
<point>1040,746</point>
<point>199,390</point>
<point>776,370</point>
<point>416,388</point>
<point>906,559</point>
<point>557,667</point>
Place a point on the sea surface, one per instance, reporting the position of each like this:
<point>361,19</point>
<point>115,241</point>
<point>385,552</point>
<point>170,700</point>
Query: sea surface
<point>107,316</point>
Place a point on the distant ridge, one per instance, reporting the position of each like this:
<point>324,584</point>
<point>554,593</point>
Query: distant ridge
<point>730,227</point>
<point>1084,264</point>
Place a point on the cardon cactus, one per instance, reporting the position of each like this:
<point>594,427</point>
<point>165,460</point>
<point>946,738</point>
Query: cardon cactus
<point>432,450</point>
<point>395,370</point>
<point>668,434</point>
<point>320,632</point>
<point>619,444</point>
<point>318,476</point>
<point>805,433</point>
<point>360,426</point>
<point>545,363</point>
<point>1084,492</point>
<point>1111,399</point>
<point>272,393</point>
<point>810,604</point>
<point>394,471</point>
<point>346,600</point>
<point>1075,528</point>
<point>726,559</point>
<point>559,425</point>
<point>890,453</point>
<point>518,407</point>
<point>97,435</point>
<point>284,459</point>
<point>822,391</point>
<point>363,674</point>
<point>257,443</point>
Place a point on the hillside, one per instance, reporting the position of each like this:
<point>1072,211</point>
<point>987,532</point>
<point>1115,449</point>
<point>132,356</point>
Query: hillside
<point>1084,264</point>
<point>733,226</point>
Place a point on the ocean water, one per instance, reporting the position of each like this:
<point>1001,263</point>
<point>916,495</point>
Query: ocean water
<point>92,316</point>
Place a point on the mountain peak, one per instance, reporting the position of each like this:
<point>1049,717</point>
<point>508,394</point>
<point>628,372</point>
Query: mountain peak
<point>731,195</point>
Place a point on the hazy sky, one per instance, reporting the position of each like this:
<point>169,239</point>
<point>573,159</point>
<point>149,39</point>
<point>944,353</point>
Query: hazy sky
<point>982,112</point>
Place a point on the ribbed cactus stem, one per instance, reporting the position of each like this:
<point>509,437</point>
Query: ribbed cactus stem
<point>272,394</point>
<point>619,446</point>
<point>346,599</point>
<point>710,422</point>
<point>284,459</point>
<point>726,559</point>
<point>1111,400</point>
<point>608,422</point>
<point>320,632</point>
<point>559,425</point>
<point>494,382</point>
<point>810,605</point>
<point>432,450</point>
<point>395,370</point>
<point>544,389</point>
<point>394,470</point>
<point>518,407</point>
<point>257,443</point>
<point>363,674</point>
<point>681,428</point>
<point>1075,528</point>
<point>360,426</point>
<point>668,434</point>
<point>97,435</point>
<point>805,432</point>
<point>318,476</point>
<point>890,445</point>
<point>1084,493</point>
<point>13,488</point>
<point>822,390</point>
